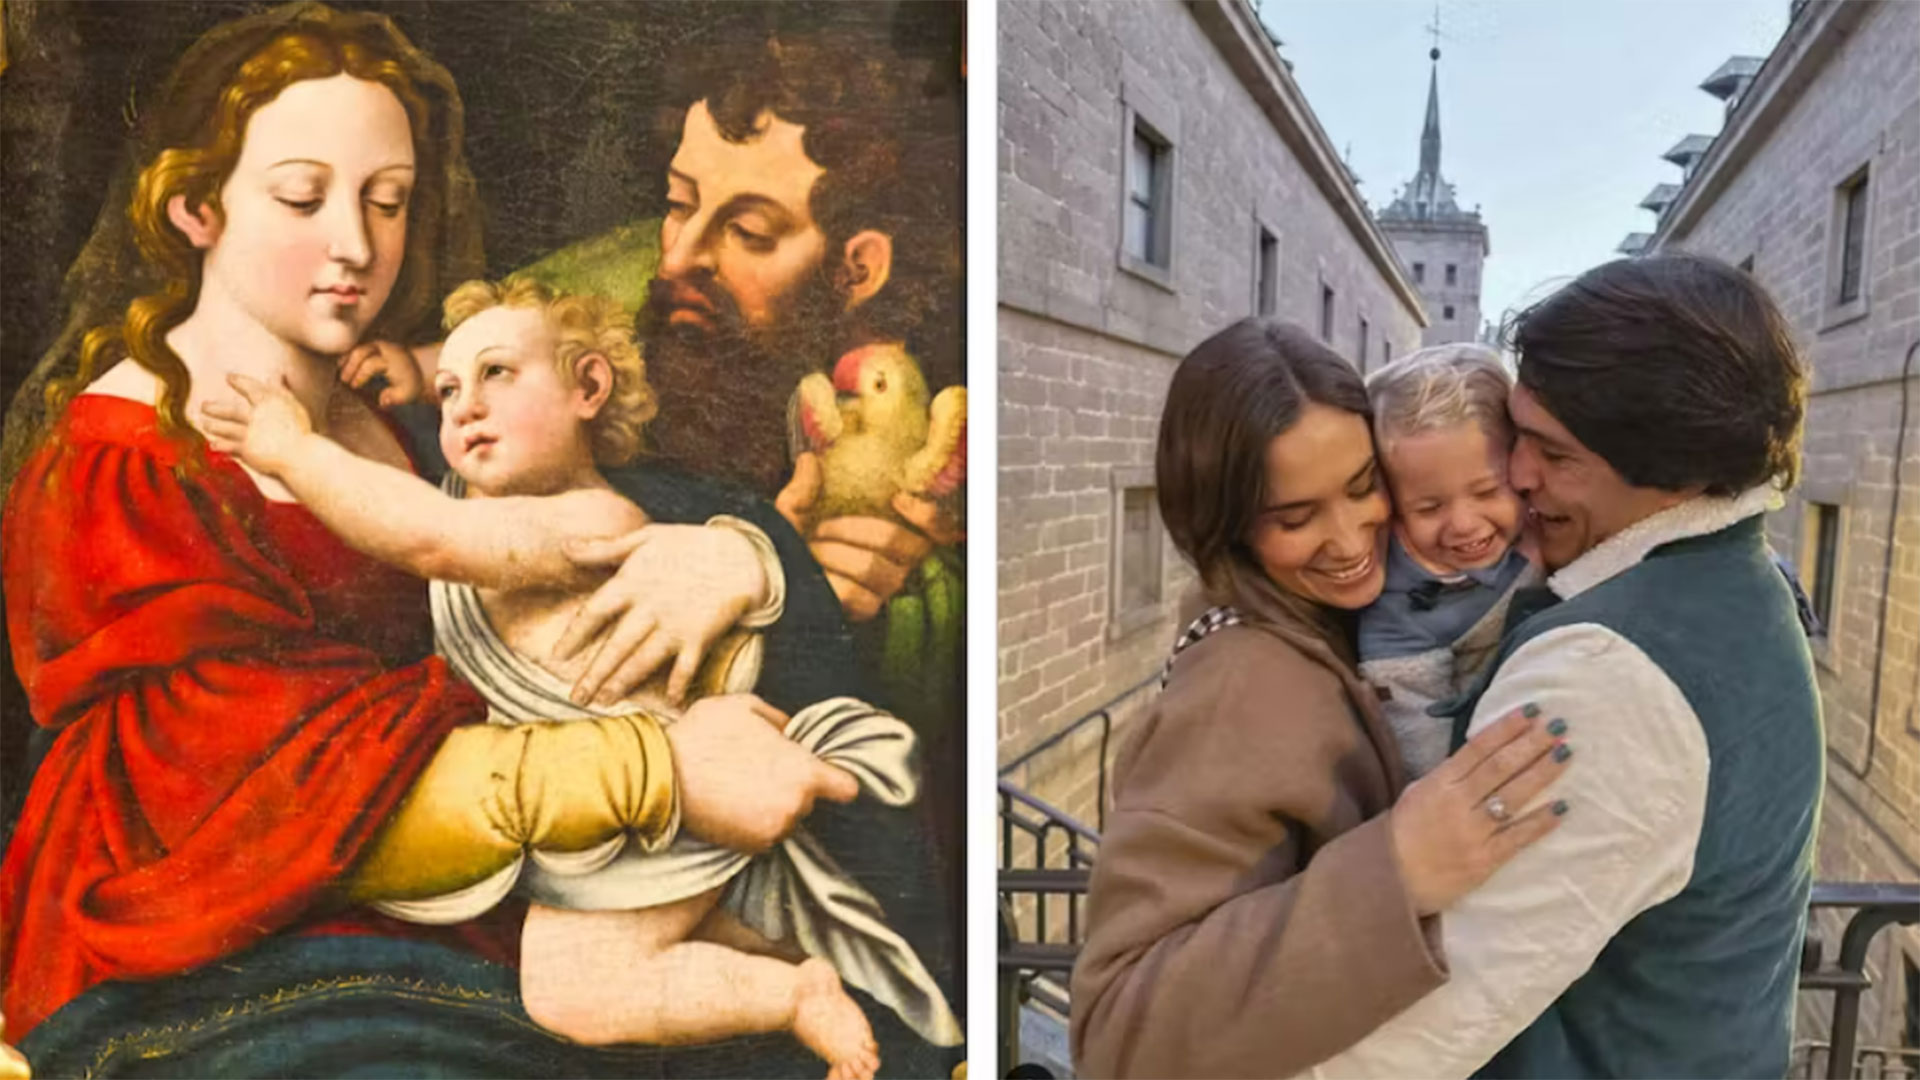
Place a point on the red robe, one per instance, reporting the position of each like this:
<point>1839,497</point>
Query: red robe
<point>235,709</point>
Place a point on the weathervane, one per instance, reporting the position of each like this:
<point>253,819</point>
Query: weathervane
<point>1434,29</point>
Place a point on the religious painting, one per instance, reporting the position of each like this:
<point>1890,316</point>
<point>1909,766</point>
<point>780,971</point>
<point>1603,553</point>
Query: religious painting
<point>484,541</point>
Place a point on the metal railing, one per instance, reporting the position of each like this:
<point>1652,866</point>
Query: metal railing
<point>1875,907</point>
<point>1103,716</point>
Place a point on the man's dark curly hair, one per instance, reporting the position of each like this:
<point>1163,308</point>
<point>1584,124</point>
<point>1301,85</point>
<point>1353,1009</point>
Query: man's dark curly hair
<point>882,110</point>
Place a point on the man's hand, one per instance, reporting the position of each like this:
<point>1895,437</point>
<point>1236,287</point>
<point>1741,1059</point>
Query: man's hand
<point>677,590</point>
<point>405,372</point>
<point>264,428</point>
<point>743,784</point>
<point>867,559</point>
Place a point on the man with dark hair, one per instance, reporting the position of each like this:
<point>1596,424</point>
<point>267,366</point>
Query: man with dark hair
<point>1657,932</point>
<point>813,207</point>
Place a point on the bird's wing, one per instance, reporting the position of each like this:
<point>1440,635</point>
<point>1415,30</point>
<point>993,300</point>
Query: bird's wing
<point>813,415</point>
<point>940,468</point>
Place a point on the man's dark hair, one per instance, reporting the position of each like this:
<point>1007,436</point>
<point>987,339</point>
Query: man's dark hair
<point>1677,369</point>
<point>882,111</point>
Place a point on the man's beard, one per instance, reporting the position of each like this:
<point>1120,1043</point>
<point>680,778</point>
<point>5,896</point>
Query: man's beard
<point>723,389</point>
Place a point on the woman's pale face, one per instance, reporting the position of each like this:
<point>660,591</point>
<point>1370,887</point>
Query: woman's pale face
<point>1322,529</point>
<point>314,223</point>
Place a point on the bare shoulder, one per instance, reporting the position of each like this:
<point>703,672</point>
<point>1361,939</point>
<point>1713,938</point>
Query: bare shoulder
<point>129,380</point>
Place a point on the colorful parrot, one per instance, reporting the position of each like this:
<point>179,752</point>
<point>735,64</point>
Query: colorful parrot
<point>876,436</point>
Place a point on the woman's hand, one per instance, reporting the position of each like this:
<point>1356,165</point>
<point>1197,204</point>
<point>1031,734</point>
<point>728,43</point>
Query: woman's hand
<point>742,783</point>
<point>677,590</point>
<point>1455,826</point>
<point>263,428</point>
<point>406,381</point>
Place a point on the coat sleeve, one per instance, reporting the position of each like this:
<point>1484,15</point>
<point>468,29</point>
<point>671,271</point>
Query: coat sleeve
<point>1637,790</point>
<point>219,763</point>
<point>1228,935</point>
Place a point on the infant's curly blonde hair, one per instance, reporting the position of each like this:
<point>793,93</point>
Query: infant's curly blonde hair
<point>583,324</point>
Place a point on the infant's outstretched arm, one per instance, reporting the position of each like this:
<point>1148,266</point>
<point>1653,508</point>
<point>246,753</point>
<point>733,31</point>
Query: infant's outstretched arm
<point>402,520</point>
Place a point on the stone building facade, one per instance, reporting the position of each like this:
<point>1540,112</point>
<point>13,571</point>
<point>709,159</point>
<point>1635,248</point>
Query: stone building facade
<point>1161,175</point>
<point>1813,184</point>
<point>1442,246</point>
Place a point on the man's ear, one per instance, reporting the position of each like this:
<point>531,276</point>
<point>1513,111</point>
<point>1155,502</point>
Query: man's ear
<point>593,380</point>
<point>200,225</point>
<point>865,266</point>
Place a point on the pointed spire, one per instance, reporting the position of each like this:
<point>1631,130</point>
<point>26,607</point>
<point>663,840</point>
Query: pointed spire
<point>1428,197</point>
<point>1430,135</point>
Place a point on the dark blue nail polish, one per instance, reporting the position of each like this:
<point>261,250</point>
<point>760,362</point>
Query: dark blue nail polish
<point>1562,752</point>
<point>1530,711</point>
<point>1557,727</point>
<point>1559,807</point>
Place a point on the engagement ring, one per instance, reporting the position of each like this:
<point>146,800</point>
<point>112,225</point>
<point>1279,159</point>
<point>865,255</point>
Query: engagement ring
<point>1497,809</point>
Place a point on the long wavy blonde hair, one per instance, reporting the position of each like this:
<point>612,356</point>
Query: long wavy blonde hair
<point>195,140</point>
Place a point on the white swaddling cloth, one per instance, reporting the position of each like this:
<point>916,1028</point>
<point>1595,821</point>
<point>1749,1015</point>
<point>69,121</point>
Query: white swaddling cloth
<point>793,892</point>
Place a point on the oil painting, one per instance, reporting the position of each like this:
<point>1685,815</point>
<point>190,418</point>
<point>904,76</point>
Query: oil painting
<point>484,541</point>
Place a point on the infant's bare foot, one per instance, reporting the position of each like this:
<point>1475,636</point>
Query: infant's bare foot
<point>829,1023</point>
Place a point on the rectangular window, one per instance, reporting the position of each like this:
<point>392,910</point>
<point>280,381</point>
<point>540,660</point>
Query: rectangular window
<point>1147,230</point>
<point>1419,273</point>
<point>1453,274</point>
<point>1267,294</point>
<point>1139,562</point>
<point>1853,242</point>
<point>1910,1026</point>
<point>1386,351</point>
<point>1447,312</point>
<point>1135,592</point>
<point>1826,559</point>
<point>1362,351</point>
<point>1326,312</point>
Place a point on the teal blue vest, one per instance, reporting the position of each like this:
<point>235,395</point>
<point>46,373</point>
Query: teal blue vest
<point>1703,984</point>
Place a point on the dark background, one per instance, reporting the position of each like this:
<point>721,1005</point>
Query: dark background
<point>571,117</point>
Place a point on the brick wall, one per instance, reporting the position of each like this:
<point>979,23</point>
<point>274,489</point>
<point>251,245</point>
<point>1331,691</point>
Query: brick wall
<point>1862,107</point>
<point>1086,347</point>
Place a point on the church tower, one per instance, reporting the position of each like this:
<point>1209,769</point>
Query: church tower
<point>1442,246</point>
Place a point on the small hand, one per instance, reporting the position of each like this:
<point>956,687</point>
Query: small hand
<point>677,590</point>
<point>262,428</point>
<point>742,783</point>
<point>406,380</point>
<point>867,559</point>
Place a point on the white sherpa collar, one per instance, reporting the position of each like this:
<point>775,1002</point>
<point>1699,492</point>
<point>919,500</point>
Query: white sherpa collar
<point>1624,549</point>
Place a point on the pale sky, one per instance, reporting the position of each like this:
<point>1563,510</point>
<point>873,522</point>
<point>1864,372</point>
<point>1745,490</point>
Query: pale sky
<point>1553,113</point>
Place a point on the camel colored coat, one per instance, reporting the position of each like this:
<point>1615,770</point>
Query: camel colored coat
<point>1247,915</point>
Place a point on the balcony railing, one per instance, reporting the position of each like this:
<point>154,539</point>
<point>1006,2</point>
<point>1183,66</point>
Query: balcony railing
<point>1046,859</point>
